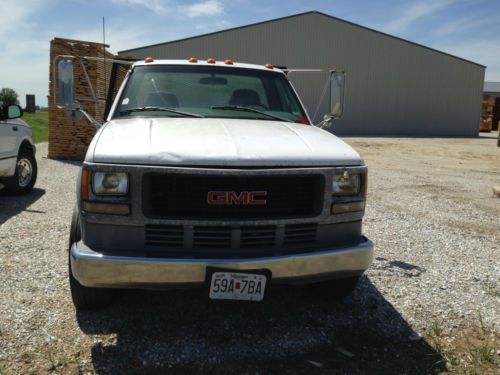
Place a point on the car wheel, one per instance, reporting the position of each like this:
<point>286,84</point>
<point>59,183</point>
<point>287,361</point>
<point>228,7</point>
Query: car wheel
<point>84,297</point>
<point>25,177</point>
<point>335,289</point>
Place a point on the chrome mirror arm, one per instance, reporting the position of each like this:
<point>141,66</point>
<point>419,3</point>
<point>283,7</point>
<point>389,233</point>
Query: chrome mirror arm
<point>76,113</point>
<point>326,123</point>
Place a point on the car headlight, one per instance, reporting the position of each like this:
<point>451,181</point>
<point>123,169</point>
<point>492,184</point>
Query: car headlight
<point>346,184</point>
<point>110,183</point>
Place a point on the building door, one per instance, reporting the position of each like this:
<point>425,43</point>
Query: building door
<point>496,114</point>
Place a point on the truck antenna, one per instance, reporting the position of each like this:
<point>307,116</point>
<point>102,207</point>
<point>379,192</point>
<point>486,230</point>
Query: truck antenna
<point>104,53</point>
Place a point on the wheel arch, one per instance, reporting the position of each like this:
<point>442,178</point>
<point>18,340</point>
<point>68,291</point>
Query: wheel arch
<point>26,145</point>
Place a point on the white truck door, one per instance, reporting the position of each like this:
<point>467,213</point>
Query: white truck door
<point>9,133</point>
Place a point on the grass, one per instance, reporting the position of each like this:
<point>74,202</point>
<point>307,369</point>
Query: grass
<point>39,123</point>
<point>483,354</point>
<point>65,362</point>
<point>473,351</point>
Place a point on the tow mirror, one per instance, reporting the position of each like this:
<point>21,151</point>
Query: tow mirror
<point>337,86</point>
<point>65,95</point>
<point>13,111</point>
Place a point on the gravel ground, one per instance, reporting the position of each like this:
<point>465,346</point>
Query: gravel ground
<point>431,214</point>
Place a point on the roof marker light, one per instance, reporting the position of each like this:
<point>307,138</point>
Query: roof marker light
<point>193,60</point>
<point>269,66</point>
<point>229,62</point>
<point>149,59</point>
<point>211,61</point>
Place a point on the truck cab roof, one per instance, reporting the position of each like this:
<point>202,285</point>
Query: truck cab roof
<point>200,62</point>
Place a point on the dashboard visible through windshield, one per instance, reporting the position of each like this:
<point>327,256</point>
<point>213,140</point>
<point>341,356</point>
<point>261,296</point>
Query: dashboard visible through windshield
<point>209,91</point>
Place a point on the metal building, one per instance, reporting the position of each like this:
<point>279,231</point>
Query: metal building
<point>394,87</point>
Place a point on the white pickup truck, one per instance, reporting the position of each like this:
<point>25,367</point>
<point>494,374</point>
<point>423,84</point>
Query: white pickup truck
<point>18,168</point>
<point>210,174</point>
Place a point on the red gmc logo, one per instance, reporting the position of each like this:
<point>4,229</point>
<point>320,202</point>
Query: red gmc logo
<point>230,198</point>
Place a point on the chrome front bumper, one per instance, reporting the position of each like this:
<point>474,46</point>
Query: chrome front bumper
<point>93,269</point>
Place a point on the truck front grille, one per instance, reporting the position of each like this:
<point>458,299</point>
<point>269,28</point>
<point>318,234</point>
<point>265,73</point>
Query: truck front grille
<point>180,196</point>
<point>224,237</point>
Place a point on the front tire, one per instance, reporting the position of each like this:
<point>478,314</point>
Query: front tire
<point>336,289</point>
<point>84,297</point>
<point>25,177</point>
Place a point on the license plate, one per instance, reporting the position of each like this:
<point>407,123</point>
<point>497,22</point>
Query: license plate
<point>237,286</point>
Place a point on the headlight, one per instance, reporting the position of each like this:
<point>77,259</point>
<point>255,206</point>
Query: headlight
<point>346,184</point>
<point>110,183</point>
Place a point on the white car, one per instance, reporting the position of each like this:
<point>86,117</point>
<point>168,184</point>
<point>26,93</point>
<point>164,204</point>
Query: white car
<point>18,168</point>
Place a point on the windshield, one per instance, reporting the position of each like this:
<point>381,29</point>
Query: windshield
<point>209,91</point>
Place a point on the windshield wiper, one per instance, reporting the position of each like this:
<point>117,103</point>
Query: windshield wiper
<point>158,109</point>
<point>247,109</point>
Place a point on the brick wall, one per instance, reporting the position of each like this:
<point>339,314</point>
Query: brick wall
<point>68,140</point>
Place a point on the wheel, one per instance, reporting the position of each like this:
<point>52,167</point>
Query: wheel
<point>25,177</point>
<point>335,289</point>
<point>84,297</point>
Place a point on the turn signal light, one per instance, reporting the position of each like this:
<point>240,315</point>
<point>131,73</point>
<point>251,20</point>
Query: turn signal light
<point>107,208</point>
<point>269,66</point>
<point>365,184</point>
<point>211,61</point>
<point>149,59</point>
<point>342,208</point>
<point>229,62</point>
<point>193,60</point>
<point>85,185</point>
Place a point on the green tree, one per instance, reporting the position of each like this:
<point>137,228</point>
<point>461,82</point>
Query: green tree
<point>8,96</point>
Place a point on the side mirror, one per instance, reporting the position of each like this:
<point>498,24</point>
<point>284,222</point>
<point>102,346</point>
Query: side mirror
<point>337,87</point>
<point>13,111</point>
<point>65,95</point>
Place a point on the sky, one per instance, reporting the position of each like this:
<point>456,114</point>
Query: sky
<point>466,28</point>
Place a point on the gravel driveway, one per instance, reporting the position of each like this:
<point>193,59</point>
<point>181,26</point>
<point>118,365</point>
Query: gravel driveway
<point>436,227</point>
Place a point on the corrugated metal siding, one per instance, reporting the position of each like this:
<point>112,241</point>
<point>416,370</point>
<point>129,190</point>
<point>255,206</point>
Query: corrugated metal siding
<point>393,87</point>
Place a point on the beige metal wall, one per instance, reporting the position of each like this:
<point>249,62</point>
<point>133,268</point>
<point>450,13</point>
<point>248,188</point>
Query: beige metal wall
<point>393,87</point>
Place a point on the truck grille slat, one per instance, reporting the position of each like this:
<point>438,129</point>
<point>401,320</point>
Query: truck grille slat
<point>258,236</point>
<point>223,237</point>
<point>165,235</point>
<point>211,237</point>
<point>299,234</point>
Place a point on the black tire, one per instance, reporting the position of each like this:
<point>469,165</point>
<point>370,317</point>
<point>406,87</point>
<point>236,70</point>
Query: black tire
<point>335,289</point>
<point>20,183</point>
<point>84,297</point>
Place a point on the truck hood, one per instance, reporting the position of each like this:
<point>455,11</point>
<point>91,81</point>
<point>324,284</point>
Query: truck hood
<point>218,142</point>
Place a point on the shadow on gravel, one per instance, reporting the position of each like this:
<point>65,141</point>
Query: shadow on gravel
<point>76,163</point>
<point>11,205</point>
<point>184,332</point>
